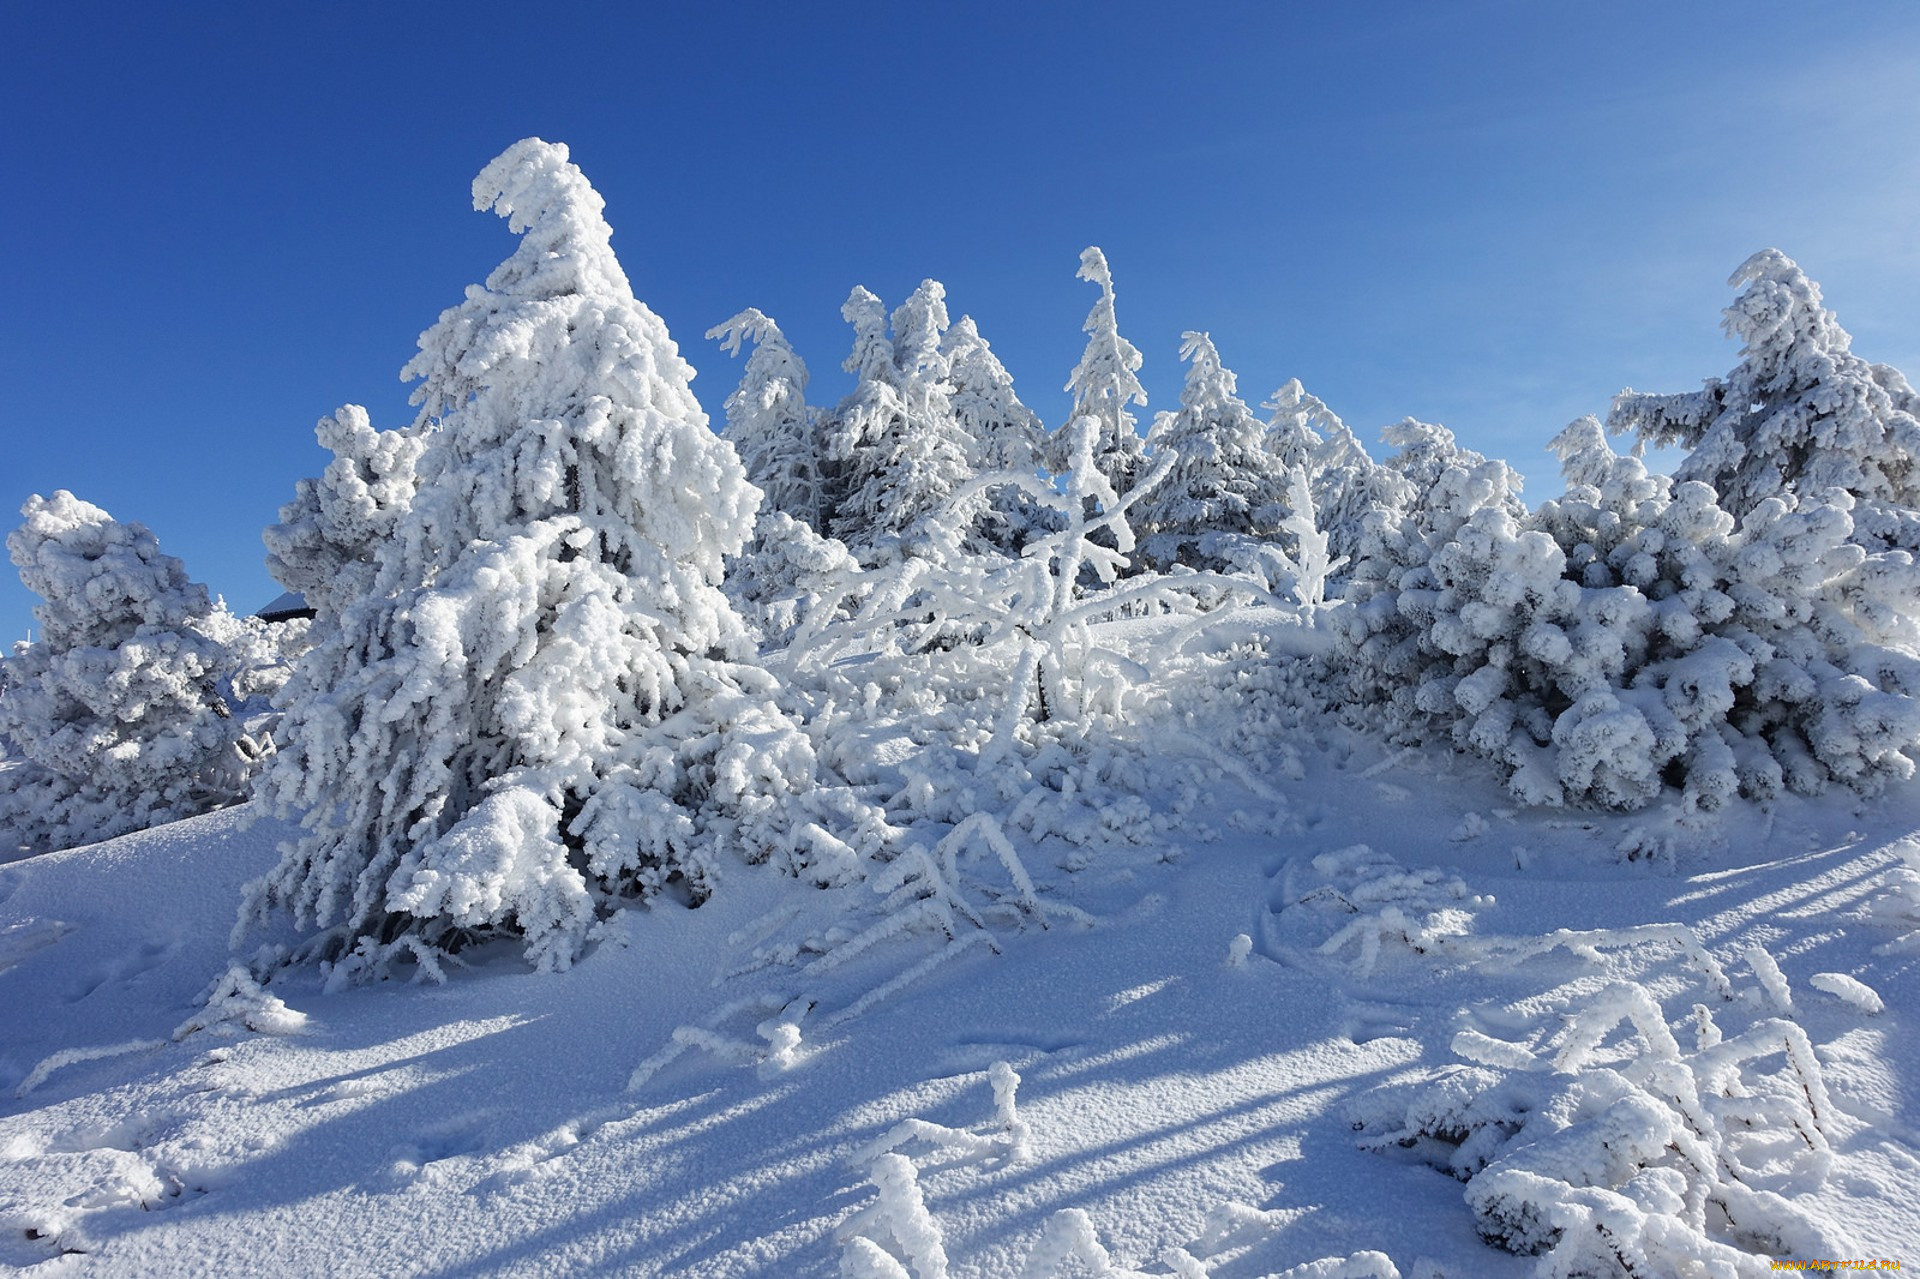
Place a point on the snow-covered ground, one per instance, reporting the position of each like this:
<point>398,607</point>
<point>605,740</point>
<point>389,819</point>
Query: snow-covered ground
<point>1214,1058</point>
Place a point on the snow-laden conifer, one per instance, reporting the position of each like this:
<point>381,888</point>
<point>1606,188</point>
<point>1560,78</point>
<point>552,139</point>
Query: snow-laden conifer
<point>124,712</point>
<point>542,706</point>
<point>1800,414</point>
<point>1104,383</point>
<point>768,420</point>
<point>900,451</point>
<point>1006,434</point>
<point>1222,482</point>
<point>1346,483</point>
<point>324,546</point>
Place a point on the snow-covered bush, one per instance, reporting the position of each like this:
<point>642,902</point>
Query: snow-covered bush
<point>1631,634</point>
<point>131,708</point>
<point>1673,1149</point>
<point>544,704</point>
<point>1799,415</point>
<point>787,574</point>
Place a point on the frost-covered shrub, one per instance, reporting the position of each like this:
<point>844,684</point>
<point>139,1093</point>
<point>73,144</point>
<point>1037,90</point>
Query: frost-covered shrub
<point>325,543</point>
<point>1798,416</point>
<point>1630,634</point>
<point>130,709</point>
<point>788,574</point>
<point>543,704</point>
<point>1661,1150</point>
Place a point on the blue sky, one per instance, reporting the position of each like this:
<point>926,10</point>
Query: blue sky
<point>226,220</point>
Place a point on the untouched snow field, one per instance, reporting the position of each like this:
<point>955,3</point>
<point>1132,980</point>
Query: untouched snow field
<point>1206,1057</point>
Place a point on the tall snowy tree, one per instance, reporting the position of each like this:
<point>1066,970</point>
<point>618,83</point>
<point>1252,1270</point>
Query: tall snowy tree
<point>123,712</point>
<point>1007,435</point>
<point>1800,413</point>
<point>768,420</point>
<point>324,545</point>
<point>543,705</point>
<point>1346,484</point>
<point>1104,383</point>
<point>900,448</point>
<point>1222,480</point>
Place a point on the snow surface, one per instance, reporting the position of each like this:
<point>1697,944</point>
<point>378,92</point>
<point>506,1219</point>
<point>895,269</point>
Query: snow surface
<point>1187,1071</point>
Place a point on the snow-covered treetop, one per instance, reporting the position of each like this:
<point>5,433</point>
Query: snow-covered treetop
<point>1006,430</point>
<point>1302,428</point>
<point>1106,380</point>
<point>1209,383</point>
<point>918,325</point>
<point>556,316</point>
<point>872,355</point>
<point>1799,413</point>
<point>768,420</point>
<point>101,580</point>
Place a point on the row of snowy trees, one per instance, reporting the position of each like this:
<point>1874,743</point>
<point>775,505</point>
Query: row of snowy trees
<point>532,692</point>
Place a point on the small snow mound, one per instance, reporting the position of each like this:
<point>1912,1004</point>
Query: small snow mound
<point>1238,949</point>
<point>1849,990</point>
<point>235,998</point>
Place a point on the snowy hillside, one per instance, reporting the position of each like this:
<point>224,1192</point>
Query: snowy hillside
<point>894,839</point>
<point>1225,1039</point>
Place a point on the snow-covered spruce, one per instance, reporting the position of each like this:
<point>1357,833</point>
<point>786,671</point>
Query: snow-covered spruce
<point>1800,414</point>
<point>1222,487</point>
<point>132,708</point>
<point>1007,437</point>
<point>1346,484</point>
<point>1630,633</point>
<point>895,448</point>
<point>543,705</point>
<point>1104,384</point>
<point>768,420</point>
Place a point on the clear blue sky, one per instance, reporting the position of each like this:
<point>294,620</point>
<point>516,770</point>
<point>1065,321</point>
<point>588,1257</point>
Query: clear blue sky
<point>228,219</point>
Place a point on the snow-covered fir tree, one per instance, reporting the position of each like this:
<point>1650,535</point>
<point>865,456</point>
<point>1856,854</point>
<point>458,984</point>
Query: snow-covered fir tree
<point>768,420</point>
<point>544,705</point>
<point>1006,434</point>
<point>1222,484</point>
<point>900,449</point>
<point>1346,484</point>
<point>323,548</point>
<point>1800,413</point>
<point>129,709</point>
<point>1104,384</point>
